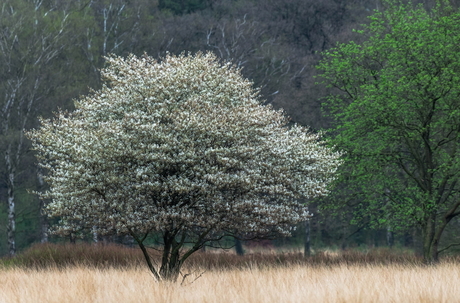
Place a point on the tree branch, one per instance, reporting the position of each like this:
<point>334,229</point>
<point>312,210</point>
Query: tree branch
<point>446,248</point>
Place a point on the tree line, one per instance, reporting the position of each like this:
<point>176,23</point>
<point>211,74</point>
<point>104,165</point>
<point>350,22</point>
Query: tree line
<point>52,52</point>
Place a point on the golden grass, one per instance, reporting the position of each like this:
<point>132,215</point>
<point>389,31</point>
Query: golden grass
<point>295,283</point>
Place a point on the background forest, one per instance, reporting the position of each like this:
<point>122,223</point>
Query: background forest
<point>52,50</point>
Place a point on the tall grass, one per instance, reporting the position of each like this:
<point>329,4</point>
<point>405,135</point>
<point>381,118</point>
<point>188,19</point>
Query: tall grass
<point>296,283</point>
<point>111,273</point>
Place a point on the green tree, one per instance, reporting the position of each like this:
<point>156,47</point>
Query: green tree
<point>397,110</point>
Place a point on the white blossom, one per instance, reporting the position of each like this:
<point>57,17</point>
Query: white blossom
<point>181,142</point>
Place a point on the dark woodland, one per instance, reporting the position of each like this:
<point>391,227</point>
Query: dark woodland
<point>51,52</point>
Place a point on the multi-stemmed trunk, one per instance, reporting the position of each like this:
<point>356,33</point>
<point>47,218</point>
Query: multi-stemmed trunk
<point>173,255</point>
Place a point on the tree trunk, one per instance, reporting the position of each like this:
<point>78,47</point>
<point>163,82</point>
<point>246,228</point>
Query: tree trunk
<point>430,248</point>
<point>434,250</point>
<point>318,234</point>
<point>43,219</point>
<point>171,261</point>
<point>95,235</point>
<point>173,255</point>
<point>147,257</point>
<point>390,237</point>
<point>307,251</point>
<point>11,226</point>
<point>12,164</point>
<point>44,230</point>
<point>343,239</point>
<point>72,238</point>
<point>239,247</point>
<point>171,271</point>
<point>434,255</point>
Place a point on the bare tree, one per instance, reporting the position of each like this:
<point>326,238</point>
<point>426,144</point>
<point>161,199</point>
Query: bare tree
<point>29,41</point>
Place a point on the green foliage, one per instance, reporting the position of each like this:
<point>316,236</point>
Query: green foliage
<point>398,118</point>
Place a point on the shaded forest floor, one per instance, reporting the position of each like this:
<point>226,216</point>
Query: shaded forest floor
<point>88,273</point>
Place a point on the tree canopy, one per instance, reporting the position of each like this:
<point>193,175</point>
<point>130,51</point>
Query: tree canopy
<point>398,118</point>
<point>183,148</point>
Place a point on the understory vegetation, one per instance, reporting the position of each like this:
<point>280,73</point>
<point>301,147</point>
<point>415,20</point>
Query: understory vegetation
<point>46,256</point>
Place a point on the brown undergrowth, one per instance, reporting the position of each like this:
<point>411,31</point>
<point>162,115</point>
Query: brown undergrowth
<point>117,256</point>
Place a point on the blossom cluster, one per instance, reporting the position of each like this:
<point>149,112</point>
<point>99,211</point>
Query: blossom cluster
<point>184,142</point>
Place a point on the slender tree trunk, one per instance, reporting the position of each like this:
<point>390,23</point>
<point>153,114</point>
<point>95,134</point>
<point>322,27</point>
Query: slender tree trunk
<point>11,226</point>
<point>239,247</point>
<point>417,241</point>
<point>390,237</point>
<point>44,230</point>
<point>147,258</point>
<point>343,240</point>
<point>43,220</point>
<point>307,250</point>
<point>12,164</point>
<point>318,234</point>
<point>72,239</point>
<point>95,235</point>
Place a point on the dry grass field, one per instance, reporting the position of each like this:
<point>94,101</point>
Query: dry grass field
<point>339,283</point>
<point>113,274</point>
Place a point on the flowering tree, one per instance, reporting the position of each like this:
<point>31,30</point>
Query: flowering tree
<point>182,148</point>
